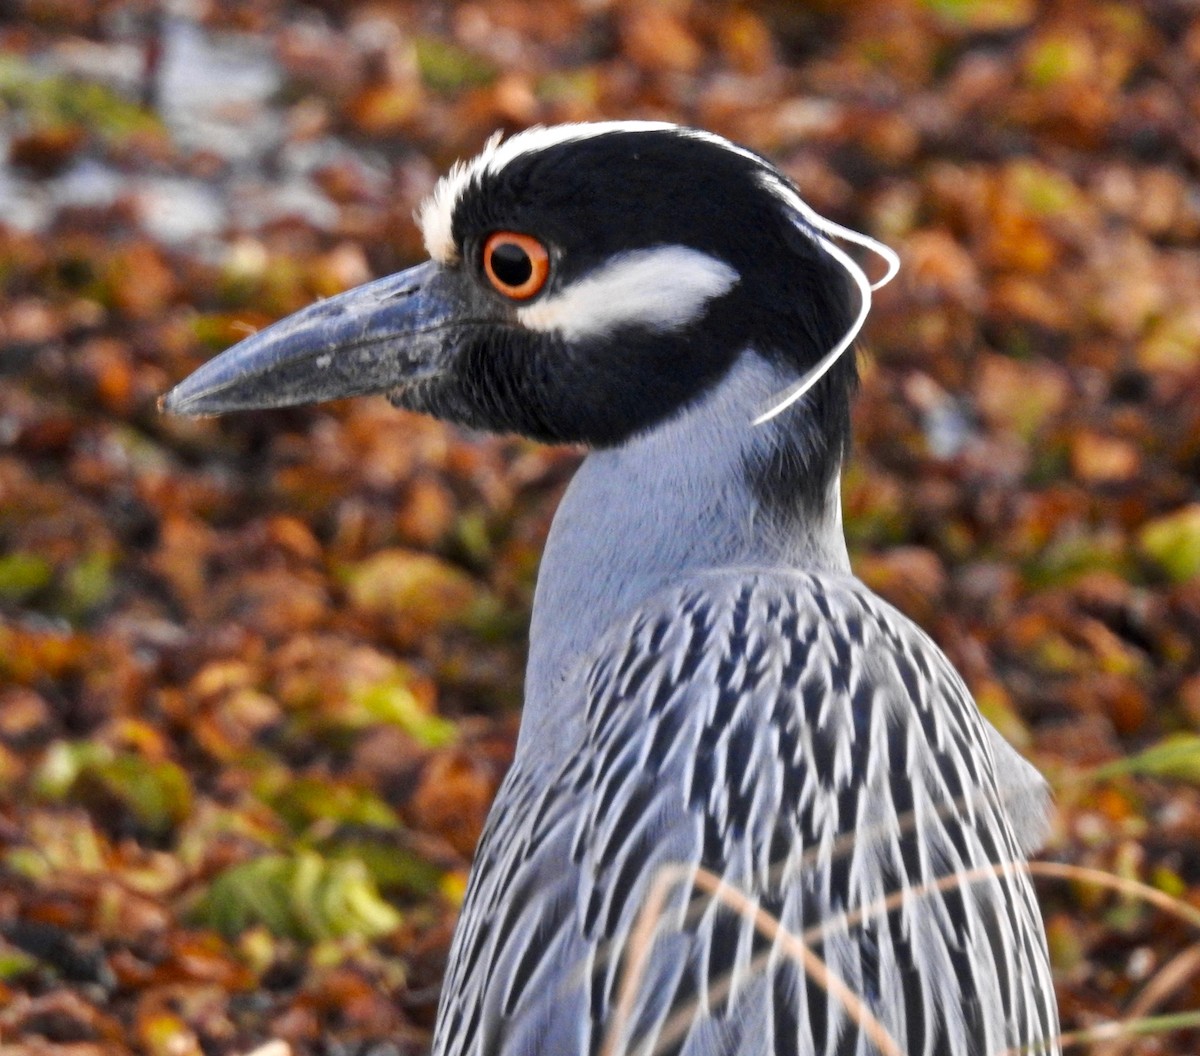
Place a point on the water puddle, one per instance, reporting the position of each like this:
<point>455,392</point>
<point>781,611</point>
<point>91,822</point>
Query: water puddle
<point>217,94</point>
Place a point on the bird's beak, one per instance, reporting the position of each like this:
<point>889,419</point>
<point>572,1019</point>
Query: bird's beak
<point>375,338</point>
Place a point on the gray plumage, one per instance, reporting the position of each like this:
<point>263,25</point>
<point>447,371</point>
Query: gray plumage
<point>707,693</point>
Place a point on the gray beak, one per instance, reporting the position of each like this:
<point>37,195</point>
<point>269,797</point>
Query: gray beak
<point>375,338</point>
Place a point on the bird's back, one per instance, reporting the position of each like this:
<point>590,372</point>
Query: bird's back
<point>798,741</point>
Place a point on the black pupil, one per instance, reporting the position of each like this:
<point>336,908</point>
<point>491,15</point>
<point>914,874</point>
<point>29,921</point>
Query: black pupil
<point>511,264</point>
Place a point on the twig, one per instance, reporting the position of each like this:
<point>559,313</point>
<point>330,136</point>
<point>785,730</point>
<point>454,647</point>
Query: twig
<point>1131,1028</point>
<point>646,926</point>
<point>641,940</point>
<point>678,1024</point>
<point>1082,873</point>
<point>768,925</point>
<point>1166,981</point>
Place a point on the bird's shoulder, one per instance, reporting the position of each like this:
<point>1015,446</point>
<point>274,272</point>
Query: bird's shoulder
<point>737,654</point>
<point>790,734</point>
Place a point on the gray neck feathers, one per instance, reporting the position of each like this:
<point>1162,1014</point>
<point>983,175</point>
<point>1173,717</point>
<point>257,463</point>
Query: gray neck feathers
<point>673,501</point>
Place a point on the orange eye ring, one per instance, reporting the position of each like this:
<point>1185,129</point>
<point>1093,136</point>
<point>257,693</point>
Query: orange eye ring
<point>516,265</point>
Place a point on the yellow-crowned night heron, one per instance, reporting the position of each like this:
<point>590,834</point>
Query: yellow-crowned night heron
<point>711,694</point>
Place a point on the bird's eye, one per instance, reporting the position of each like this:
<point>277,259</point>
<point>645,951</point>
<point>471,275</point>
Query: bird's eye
<point>516,265</point>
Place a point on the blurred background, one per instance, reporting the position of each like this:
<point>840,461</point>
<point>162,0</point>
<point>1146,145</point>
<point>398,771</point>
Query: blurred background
<point>259,677</point>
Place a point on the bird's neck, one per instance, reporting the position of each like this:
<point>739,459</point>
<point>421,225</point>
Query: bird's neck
<point>699,492</point>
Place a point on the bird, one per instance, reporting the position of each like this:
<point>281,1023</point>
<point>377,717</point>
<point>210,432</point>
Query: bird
<point>753,809</point>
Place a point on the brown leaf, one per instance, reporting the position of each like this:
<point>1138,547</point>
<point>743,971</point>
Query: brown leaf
<point>453,798</point>
<point>1099,459</point>
<point>657,39</point>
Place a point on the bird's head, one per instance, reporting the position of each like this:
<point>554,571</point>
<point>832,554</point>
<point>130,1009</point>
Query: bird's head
<point>585,283</point>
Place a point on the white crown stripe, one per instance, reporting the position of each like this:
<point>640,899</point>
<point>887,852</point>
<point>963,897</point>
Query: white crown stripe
<point>436,215</point>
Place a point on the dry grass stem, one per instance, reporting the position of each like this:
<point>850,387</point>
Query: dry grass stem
<point>1165,982</point>
<point>1135,888</point>
<point>641,941</point>
<point>767,925</point>
<point>1130,1028</point>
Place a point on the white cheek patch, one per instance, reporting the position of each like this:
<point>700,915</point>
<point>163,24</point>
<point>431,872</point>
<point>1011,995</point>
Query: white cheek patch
<point>657,289</point>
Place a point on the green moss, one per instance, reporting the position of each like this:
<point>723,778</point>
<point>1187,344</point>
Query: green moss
<point>392,868</point>
<point>569,86</point>
<point>156,792</point>
<point>302,896</point>
<point>14,963</point>
<point>87,584</point>
<point>301,801</point>
<point>1173,542</point>
<point>55,100</point>
<point>23,575</point>
<point>1065,561</point>
<point>982,14</point>
<point>1176,757</point>
<point>446,68</point>
<point>393,702</point>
